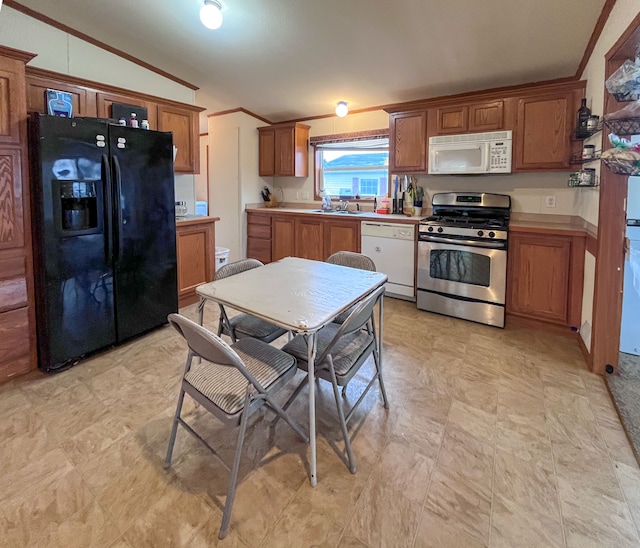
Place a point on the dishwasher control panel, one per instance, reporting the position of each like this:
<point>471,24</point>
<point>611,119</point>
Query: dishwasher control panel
<point>388,230</point>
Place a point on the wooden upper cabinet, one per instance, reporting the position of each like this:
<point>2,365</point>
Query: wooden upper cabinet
<point>543,132</point>
<point>105,100</point>
<point>408,141</point>
<point>84,101</point>
<point>267,152</point>
<point>11,104</point>
<point>474,118</point>
<point>184,126</point>
<point>452,120</point>
<point>284,150</point>
<point>486,116</point>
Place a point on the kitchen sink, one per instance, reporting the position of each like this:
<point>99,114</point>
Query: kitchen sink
<point>337,212</point>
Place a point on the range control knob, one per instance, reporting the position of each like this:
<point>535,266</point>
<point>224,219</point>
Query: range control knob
<point>492,234</point>
<point>430,229</point>
<point>440,229</point>
<point>480,233</point>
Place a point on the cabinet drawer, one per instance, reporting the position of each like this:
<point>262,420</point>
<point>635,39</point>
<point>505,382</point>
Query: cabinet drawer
<point>259,219</point>
<point>14,335</point>
<point>259,231</point>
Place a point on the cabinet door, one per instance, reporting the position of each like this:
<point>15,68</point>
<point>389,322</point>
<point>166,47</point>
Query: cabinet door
<point>486,116</point>
<point>184,126</point>
<point>309,242</point>
<point>196,259</point>
<point>11,107</point>
<point>105,100</point>
<point>543,132</point>
<point>408,141</point>
<point>452,120</point>
<point>15,354</point>
<point>11,203</point>
<point>282,237</point>
<point>341,236</point>
<point>539,276</point>
<point>267,153</point>
<point>84,102</point>
<point>284,143</point>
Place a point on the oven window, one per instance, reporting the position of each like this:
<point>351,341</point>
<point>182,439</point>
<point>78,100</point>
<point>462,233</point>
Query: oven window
<point>461,266</point>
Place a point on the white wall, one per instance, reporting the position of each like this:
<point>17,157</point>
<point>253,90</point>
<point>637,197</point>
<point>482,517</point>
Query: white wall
<point>621,15</point>
<point>66,54</point>
<point>233,177</point>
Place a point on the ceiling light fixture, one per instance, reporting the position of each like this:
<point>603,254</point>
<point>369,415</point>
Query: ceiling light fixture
<point>342,109</point>
<point>211,14</point>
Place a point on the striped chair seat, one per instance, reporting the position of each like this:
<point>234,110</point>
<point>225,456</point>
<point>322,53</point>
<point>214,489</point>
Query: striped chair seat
<point>246,325</point>
<point>226,386</point>
<point>345,353</point>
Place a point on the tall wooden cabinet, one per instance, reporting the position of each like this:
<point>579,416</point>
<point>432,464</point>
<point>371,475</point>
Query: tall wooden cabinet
<point>17,314</point>
<point>196,248</point>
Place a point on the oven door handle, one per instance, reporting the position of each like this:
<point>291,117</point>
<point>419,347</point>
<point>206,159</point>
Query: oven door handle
<point>475,243</point>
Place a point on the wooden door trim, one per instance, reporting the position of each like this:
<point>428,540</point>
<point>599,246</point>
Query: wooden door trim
<point>595,35</point>
<point>607,300</point>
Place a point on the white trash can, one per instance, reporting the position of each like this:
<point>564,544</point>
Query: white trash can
<point>222,256</point>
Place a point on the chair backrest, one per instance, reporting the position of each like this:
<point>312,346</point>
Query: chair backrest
<point>203,343</point>
<point>354,260</point>
<point>359,316</point>
<point>232,269</point>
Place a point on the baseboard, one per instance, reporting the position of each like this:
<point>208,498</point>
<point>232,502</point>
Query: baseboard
<point>541,325</point>
<point>585,352</point>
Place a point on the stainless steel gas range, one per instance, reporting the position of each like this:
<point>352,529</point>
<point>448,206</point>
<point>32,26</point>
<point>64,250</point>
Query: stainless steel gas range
<point>462,256</point>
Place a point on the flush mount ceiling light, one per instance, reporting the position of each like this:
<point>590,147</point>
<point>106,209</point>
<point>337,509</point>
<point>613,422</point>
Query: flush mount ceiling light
<point>211,14</point>
<point>342,109</point>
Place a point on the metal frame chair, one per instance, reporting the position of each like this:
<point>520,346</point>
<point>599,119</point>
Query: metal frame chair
<point>342,349</point>
<point>242,325</point>
<point>353,260</point>
<point>231,382</point>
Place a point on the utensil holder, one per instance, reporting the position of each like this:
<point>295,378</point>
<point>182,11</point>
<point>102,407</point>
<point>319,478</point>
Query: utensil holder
<point>272,201</point>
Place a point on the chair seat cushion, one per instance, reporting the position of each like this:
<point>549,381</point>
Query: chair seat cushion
<point>345,353</point>
<point>246,325</point>
<point>225,386</point>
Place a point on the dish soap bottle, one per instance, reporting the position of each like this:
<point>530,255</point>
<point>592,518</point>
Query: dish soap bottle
<point>584,113</point>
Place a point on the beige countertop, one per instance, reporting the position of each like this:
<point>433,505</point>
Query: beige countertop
<point>567,224</point>
<point>195,219</point>
<point>362,216</point>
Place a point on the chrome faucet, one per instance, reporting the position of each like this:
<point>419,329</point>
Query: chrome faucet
<point>343,206</point>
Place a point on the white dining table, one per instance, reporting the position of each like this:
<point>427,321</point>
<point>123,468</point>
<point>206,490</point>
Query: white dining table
<point>301,296</point>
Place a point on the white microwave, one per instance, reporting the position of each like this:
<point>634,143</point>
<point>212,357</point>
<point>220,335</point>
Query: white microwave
<point>470,153</point>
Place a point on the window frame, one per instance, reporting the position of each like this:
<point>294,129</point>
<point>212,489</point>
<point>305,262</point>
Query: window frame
<point>316,142</point>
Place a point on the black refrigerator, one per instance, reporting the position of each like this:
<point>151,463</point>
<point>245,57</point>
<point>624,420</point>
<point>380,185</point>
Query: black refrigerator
<point>104,234</point>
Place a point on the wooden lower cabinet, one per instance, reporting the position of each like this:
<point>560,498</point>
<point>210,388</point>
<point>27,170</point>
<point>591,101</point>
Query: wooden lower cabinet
<point>545,277</point>
<point>309,241</point>
<point>196,246</point>
<point>341,236</point>
<point>283,232</point>
<point>271,237</point>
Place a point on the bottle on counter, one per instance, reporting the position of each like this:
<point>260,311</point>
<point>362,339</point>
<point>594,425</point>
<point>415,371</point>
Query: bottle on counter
<point>584,112</point>
<point>145,124</point>
<point>122,122</point>
<point>133,121</point>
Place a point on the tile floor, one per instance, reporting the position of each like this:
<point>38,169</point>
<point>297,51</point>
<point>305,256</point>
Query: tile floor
<point>494,438</point>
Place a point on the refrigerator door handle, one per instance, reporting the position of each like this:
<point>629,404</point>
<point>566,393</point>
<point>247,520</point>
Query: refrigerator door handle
<point>118,206</point>
<point>106,182</point>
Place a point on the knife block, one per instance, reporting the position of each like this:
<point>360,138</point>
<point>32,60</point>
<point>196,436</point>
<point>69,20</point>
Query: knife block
<point>272,201</point>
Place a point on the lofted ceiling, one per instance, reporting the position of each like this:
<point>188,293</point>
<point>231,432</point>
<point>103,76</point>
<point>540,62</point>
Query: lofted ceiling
<point>285,59</point>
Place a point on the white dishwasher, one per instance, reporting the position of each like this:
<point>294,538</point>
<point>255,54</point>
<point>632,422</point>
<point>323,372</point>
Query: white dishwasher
<point>392,248</point>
